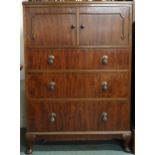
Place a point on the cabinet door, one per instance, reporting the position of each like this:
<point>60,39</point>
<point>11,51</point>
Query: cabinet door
<point>101,26</point>
<point>50,27</point>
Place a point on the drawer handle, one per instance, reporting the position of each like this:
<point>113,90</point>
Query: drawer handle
<point>104,59</point>
<point>53,117</point>
<point>51,59</point>
<point>104,116</point>
<point>52,86</point>
<point>72,26</point>
<point>104,86</point>
<point>82,26</point>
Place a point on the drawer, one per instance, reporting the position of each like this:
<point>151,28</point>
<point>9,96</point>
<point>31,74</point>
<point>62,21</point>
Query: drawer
<point>47,116</point>
<point>41,59</point>
<point>78,84</point>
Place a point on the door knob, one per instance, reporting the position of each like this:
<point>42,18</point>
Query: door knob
<point>82,26</point>
<point>72,26</point>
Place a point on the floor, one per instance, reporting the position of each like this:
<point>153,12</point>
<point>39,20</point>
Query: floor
<point>75,148</point>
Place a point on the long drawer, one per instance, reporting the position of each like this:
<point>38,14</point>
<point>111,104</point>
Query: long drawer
<point>78,85</point>
<point>42,59</point>
<point>46,116</point>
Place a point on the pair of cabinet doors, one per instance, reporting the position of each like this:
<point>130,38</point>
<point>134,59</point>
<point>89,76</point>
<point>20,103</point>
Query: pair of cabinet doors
<point>78,26</point>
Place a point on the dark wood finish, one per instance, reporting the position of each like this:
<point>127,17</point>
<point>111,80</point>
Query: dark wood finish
<point>78,85</point>
<point>72,136</point>
<point>78,116</point>
<point>50,26</point>
<point>104,26</point>
<point>127,141</point>
<point>96,26</point>
<point>83,59</point>
<point>30,139</point>
<point>82,135</point>
<point>78,70</point>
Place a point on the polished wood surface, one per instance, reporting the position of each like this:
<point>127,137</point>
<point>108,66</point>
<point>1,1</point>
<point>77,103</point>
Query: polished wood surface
<point>78,70</point>
<point>83,59</point>
<point>50,26</point>
<point>78,85</point>
<point>78,116</point>
<point>104,26</point>
<point>89,26</point>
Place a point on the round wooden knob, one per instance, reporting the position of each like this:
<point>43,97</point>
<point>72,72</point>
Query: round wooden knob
<point>82,26</point>
<point>72,26</point>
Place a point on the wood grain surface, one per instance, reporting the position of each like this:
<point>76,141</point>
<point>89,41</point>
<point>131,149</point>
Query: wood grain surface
<point>78,116</point>
<point>77,59</point>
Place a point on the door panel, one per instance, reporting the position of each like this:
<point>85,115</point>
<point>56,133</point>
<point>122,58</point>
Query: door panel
<point>102,26</point>
<point>51,27</point>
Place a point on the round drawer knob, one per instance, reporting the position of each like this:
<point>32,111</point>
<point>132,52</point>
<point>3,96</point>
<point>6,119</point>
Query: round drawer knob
<point>104,116</point>
<point>52,86</point>
<point>104,86</point>
<point>104,59</point>
<point>53,117</point>
<point>51,59</point>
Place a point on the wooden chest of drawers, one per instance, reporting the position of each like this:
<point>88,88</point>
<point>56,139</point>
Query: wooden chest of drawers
<point>78,70</point>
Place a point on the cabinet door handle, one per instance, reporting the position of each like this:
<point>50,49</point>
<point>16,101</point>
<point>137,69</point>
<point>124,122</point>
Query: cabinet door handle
<point>104,116</point>
<point>52,86</point>
<point>72,26</point>
<point>104,86</point>
<point>82,26</point>
<point>104,59</point>
<point>53,117</point>
<point>51,59</point>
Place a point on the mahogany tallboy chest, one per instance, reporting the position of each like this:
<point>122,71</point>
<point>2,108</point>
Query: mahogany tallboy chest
<point>78,71</point>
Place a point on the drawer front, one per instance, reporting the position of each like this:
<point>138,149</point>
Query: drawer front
<point>78,59</point>
<point>78,116</point>
<point>78,85</point>
<point>104,25</point>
